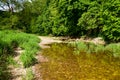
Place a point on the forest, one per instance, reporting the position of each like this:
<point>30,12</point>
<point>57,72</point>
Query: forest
<point>21,21</point>
<point>63,17</point>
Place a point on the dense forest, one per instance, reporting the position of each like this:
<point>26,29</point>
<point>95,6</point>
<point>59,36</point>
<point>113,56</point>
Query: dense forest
<point>63,17</point>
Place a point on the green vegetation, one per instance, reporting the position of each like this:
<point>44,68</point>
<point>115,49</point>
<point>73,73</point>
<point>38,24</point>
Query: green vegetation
<point>79,47</point>
<point>28,42</point>
<point>9,40</point>
<point>64,17</point>
<point>5,51</point>
<point>91,48</point>
<point>114,49</point>
<point>71,18</point>
<point>29,75</point>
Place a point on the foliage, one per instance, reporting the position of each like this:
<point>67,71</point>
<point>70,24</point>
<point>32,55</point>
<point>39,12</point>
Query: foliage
<point>27,42</point>
<point>99,49</point>
<point>29,75</point>
<point>5,51</point>
<point>65,18</point>
<point>102,18</point>
<point>79,47</point>
<point>81,17</point>
<point>11,5</point>
<point>112,49</point>
<point>28,58</point>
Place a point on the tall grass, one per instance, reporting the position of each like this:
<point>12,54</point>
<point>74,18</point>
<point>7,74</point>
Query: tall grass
<point>29,74</point>
<point>99,49</point>
<point>28,58</point>
<point>79,47</point>
<point>114,49</point>
<point>5,51</point>
<point>110,49</point>
<point>28,42</point>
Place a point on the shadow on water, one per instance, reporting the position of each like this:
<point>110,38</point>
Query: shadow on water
<point>64,65</point>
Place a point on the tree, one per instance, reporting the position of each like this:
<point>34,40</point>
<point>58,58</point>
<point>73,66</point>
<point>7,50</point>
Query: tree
<point>102,19</point>
<point>11,5</point>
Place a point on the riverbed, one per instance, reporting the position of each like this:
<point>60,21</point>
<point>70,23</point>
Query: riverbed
<point>62,64</point>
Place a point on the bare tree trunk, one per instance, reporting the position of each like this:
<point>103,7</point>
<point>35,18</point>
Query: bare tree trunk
<point>10,7</point>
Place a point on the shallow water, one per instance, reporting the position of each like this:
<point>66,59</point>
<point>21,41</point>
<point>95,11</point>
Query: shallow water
<point>64,65</point>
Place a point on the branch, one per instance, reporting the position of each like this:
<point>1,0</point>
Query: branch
<point>2,7</point>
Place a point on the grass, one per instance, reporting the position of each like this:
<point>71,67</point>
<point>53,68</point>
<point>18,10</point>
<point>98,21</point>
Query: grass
<point>99,49</point>
<point>9,40</point>
<point>28,42</point>
<point>29,75</point>
<point>28,58</point>
<point>112,49</point>
<point>79,47</point>
<point>5,60</point>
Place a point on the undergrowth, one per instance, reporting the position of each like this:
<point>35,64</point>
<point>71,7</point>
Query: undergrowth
<point>5,51</point>
<point>112,49</point>
<point>9,40</point>
<point>29,74</point>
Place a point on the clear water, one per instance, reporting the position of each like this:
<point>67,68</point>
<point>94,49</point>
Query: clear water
<point>64,65</point>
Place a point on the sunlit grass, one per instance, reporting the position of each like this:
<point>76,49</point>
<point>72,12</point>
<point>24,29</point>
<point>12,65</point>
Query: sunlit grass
<point>9,40</point>
<point>91,48</point>
<point>79,47</point>
<point>114,49</point>
<point>28,42</point>
<point>29,74</point>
